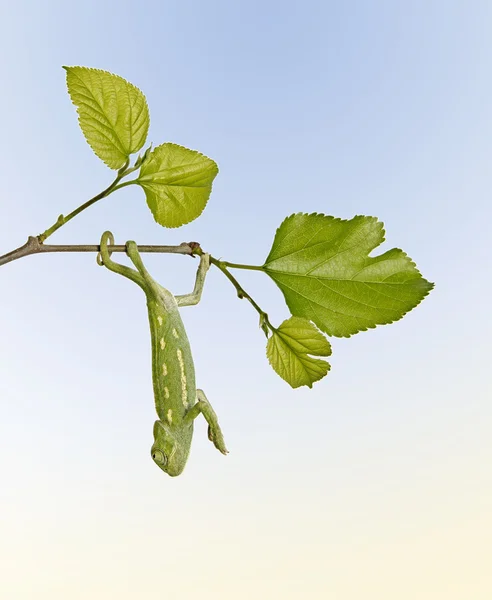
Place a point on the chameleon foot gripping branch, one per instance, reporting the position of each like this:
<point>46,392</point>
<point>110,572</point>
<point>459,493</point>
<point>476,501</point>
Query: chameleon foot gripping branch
<point>177,401</point>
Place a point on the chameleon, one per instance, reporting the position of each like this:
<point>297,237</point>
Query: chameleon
<point>177,400</point>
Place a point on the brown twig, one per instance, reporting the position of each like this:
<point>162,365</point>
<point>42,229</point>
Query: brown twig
<point>34,246</point>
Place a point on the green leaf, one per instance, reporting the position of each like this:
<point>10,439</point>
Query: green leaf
<point>177,183</point>
<point>289,348</point>
<point>322,266</point>
<point>113,113</point>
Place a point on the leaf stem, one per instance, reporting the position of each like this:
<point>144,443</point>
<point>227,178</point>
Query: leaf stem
<point>241,292</point>
<point>62,220</point>
<point>124,184</point>
<point>239,266</point>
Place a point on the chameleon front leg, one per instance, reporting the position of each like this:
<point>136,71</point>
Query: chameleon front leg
<point>196,294</point>
<point>204,407</point>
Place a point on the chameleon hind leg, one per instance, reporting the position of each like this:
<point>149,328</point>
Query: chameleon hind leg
<point>204,407</point>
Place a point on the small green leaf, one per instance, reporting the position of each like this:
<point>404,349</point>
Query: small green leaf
<point>289,348</point>
<point>322,266</point>
<point>113,113</point>
<point>177,183</point>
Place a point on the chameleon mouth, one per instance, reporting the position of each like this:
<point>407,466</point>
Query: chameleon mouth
<point>174,467</point>
<point>173,452</point>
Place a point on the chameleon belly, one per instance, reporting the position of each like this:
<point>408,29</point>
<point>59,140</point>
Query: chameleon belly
<point>173,373</point>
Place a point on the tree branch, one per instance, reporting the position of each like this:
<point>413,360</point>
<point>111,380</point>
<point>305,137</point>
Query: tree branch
<point>34,246</point>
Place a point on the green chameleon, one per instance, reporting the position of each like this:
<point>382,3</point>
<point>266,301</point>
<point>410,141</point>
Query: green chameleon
<point>177,400</point>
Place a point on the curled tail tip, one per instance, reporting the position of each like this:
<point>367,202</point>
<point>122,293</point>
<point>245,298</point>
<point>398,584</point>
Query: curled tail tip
<point>103,255</point>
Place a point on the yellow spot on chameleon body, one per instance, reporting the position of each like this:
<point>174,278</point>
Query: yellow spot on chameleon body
<point>166,393</point>
<point>170,415</point>
<point>184,395</point>
<point>159,318</point>
<point>175,333</point>
<point>164,369</point>
<point>163,344</point>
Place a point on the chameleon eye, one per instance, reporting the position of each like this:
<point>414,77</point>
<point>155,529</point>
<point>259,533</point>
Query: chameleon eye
<point>159,457</point>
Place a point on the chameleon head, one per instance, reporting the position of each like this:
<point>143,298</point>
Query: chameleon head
<point>168,452</point>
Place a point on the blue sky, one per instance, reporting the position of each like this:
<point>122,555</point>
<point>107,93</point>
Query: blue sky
<point>377,476</point>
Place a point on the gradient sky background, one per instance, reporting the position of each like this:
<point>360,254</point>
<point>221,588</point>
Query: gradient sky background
<point>375,484</point>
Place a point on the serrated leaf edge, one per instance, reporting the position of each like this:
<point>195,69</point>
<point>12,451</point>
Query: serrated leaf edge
<point>310,356</point>
<point>79,116</point>
<point>383,233</point>
<point>333,219</point>
<point>138,180</point>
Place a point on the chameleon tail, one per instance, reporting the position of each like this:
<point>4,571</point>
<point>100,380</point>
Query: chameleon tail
<point>104,258</point>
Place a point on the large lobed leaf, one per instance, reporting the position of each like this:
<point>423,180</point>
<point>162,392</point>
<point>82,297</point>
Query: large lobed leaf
<point>113,113</point>
<point>322,266</point>
<point>177,183</point>
<point>288,351</point>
